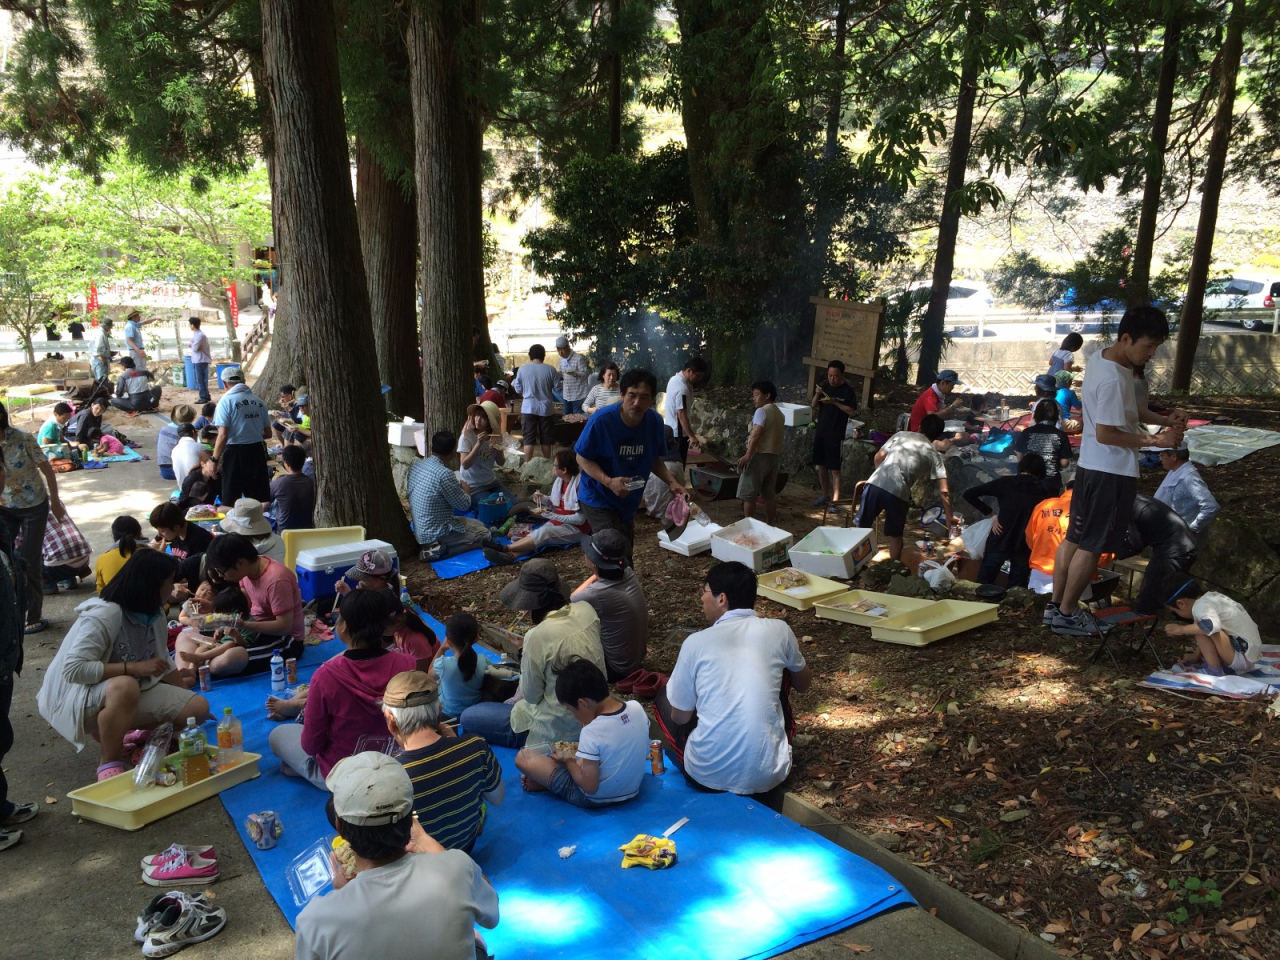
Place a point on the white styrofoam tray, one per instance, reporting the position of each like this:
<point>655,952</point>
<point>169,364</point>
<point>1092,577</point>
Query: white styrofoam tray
<point>795,414</point>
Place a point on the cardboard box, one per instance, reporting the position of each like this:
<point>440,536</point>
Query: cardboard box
<point>834,551</point>
<point>770,552</point>
<point>319,568</point>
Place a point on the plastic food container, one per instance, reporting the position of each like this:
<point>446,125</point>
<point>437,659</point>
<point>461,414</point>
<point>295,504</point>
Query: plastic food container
<point>827,608</point>
<point>940,619</point>
<point>834,551</point>
<point>801,597</point>
<point>310,873</point>
<point>695,539</point>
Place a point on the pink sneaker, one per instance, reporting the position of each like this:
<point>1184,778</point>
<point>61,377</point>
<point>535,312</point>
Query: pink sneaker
<point>186,869</point>
<point>176,850</point>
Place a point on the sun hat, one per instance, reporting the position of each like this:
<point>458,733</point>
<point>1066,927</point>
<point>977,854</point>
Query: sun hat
<point>303,399</point>
<point>372,563</point>
<point>538,583</point>
<point>370,789</point>
<point>1046,381</point>
<point>413,688</point>
<point>183,413</point>
<point>948,376</point>
<point>246,517</point>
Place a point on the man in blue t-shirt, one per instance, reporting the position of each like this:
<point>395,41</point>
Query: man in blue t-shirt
<point>617,451</point>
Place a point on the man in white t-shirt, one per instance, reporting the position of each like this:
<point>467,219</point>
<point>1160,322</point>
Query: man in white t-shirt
<point>399,900</point>
<point>676,406</point>
<point>725,709</point>
<point>1106,479</point>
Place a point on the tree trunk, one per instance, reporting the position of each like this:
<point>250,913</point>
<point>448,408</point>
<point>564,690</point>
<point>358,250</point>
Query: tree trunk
<point>614,70</point>
<point>1210,194</point>
<point>27,339</point>
<point>828,211</point>
<point>233,338</point>
<point>441,149</point>
<point>388,241</point>
<point>931,331</point>
<point>1140,275</point>
<point>317,209</point>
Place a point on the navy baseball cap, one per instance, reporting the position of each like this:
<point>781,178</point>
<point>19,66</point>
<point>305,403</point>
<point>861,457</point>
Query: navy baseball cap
<point>948,376</point>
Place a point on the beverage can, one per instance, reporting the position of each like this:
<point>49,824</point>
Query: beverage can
<point>206,677</point>
<point>291,670</point>
<point>656,762</point>
<point>264,828</point>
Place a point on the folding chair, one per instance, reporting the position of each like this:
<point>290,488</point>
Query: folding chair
<point>1107,622</point>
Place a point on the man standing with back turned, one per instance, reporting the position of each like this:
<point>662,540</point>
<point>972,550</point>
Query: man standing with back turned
<point>243,424</point>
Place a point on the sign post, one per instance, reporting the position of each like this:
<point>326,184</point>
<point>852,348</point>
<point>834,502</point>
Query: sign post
<point>850,332</point>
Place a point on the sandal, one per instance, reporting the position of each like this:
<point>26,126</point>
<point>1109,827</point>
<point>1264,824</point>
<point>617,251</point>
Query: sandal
<point>37,627</point>
<point>22,812</point>
<point>628,683</point>
<point>113,768</point>
<point>649,686</point>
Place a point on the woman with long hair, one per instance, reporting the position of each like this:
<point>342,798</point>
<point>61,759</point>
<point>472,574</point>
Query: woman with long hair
<point>112,673</point>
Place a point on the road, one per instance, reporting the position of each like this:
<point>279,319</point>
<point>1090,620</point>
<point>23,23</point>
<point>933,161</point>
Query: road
<point>996,328</point>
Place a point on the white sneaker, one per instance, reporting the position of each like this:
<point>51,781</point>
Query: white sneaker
<point>181,924</point>
<point>154,911</point>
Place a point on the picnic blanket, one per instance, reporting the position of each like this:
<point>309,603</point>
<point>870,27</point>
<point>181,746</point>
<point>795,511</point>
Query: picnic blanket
<point>1263,681</point>
<point>1215,444</point>
<point>749,883</point>
<point>129,454</point>
<point>472,561</point>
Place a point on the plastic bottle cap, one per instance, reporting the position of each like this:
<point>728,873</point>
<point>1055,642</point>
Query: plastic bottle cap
<point>191,721</point>
<point>226,710</point>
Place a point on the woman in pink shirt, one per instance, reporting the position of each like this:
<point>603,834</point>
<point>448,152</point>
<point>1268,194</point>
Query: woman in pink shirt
<point>344,701</point>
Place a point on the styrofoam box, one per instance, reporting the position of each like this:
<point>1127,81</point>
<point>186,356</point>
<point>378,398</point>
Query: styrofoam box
<point>695,539</point>
<point>856,545</point>
<point>319,568</point>
<point>404,434</point>
<point>771,553</point>
<point>795,414</point>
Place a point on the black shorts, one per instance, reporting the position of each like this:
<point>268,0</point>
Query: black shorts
<point>535,430</point>
<point>1101,508</point>
<point>828,450</point>
<point>876,501</point>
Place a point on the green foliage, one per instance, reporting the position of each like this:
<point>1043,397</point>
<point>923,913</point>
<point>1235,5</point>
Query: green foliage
<point>27,211</point>
<point>1198,897</point>
<point>1024,279</point>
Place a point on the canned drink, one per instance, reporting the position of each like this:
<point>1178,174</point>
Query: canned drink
<point>206,677</point>
<point>166,778</point>
<point>264,828</point>
<point>291,670</point>
<point>656,762</point>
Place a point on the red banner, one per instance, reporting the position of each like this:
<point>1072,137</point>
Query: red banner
<point>92,306</point>
<point>234,300</point>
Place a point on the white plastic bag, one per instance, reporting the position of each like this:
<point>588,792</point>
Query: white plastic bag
<point>975,537</point>
<point>937,575</point>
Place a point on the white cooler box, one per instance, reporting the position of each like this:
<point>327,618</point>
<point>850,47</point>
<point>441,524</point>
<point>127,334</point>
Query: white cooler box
<point>319,568</point>
<point>770,550</point>
<point>834,551</point>
<point>795,414</point>
<point>695,539</point>
<point>404,434</point>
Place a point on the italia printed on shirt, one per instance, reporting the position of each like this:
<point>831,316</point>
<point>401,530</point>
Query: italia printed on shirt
<point>632,455</point>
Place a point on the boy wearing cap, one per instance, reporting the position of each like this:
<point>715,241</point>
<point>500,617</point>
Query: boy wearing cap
<point>615,593</point>
<point>574,371</point>
<point>243,423</point>
<point>934,399</point>
<point>401,901</point>
<point>1227,640</point>
<point>609,763</point>
<point>453,776</point>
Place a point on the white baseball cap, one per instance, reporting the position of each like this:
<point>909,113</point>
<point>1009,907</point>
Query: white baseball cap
<point>370,789</point>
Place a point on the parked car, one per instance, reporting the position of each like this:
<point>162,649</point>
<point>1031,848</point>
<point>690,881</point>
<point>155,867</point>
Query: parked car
<point>1106,312</point>
<point>967,300</point>
<point>1241,291</point>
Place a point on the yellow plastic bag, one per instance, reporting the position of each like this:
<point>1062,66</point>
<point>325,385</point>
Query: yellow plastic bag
<point>646,851</point>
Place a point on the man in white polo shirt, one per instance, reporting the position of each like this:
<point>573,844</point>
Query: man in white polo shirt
<point>725,707</point>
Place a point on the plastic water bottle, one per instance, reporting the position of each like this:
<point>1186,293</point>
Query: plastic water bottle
<point>230,739</point>
<point>277,672</point>
<point>405,598</point>
<point>191,747</point>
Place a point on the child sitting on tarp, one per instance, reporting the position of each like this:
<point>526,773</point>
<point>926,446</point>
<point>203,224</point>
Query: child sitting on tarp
<point>227,653</point>
<point>1226,637</point>
<point>607,763</point>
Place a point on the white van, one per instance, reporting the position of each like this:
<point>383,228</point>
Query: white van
<point>1241,291</point>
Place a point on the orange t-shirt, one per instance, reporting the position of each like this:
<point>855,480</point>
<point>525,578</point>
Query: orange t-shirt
<point>1048,528</point>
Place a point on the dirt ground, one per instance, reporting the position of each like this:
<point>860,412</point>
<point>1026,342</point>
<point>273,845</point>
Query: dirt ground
<point>1095,814</point>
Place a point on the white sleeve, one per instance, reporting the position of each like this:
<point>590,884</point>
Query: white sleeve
<point>758,418</point>
<point>793,659</point>
<point>589,743</point>
<point>939,465</point>
<point>681,688</point>
<point>1207,615</point>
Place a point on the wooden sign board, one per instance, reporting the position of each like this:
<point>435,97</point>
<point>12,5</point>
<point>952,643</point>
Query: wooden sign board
<point>850,332</point>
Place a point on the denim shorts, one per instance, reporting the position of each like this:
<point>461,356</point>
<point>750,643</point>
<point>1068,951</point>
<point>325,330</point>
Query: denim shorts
<point>562,786</point>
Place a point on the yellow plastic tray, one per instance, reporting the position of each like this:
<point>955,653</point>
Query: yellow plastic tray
<point>295,541</point>
<point>942,618</point>
<point>115,802</point>
<point>897,606</point>
<point>818,588</point>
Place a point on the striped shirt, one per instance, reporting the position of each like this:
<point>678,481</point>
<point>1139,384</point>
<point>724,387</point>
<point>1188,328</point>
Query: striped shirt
<point>450,778</point>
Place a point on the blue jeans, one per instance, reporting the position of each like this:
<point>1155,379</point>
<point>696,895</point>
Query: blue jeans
<point>492,721</point>
<point>573,406</point>
<point>201,371</point>
<point>100,368</point>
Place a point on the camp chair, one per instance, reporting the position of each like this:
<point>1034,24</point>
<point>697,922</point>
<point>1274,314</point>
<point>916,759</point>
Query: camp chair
<point>1110,621</point>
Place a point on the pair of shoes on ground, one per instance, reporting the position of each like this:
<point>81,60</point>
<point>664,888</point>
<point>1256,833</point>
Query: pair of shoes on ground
<point>175,920</point>
<point>22,812</point>
<point>643,683</point>
<point>496,553</point>
<point>181,866</point>
<point>1068,624</point>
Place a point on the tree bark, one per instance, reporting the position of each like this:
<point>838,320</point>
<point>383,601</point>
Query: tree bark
<point>317,210</point>
<point>931,330</point>
<point>615,80</point>
<point>1140,274</point>
<point>1210,194</point>
<point>445,200</point>
<point>828,211</point>
<point>388,240</point>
